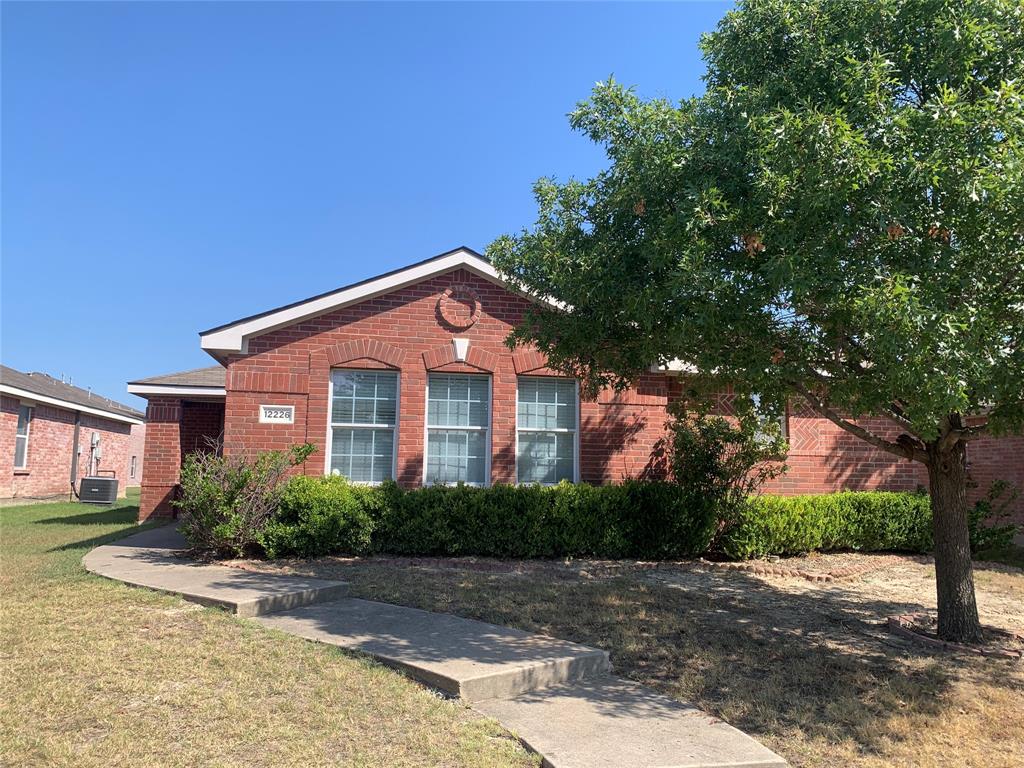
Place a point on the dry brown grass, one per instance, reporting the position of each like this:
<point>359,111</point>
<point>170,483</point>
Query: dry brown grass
<point>99,674</point>
<point>806,668</point>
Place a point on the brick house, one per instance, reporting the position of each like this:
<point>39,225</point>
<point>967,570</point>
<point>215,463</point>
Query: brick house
<point>407,376</point>
<point>53,434</point>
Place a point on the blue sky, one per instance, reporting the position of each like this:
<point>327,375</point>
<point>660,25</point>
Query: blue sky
<point>171,167</point>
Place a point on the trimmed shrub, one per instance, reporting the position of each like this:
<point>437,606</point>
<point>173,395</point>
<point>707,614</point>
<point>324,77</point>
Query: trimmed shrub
<point>633,519</point>
<point>868,520</point>
<point>319,516</point>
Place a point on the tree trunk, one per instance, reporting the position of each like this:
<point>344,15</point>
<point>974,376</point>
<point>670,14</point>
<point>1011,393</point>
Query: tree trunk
<point>954,575</point>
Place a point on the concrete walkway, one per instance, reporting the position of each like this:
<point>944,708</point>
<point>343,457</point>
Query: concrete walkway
<point>557,696</point>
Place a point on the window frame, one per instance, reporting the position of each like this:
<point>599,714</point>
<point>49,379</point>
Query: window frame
<point>132,467</point>
<point>782,419</point>
<point>487,430</point>
<point>575,432</point>
<point>28,433</point>
<point>345,425</point>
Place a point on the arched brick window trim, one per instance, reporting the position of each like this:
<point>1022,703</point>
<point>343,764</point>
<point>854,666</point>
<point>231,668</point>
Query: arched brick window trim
<point>438,357</point>
<point>532,361</point>
<point>359,349</point>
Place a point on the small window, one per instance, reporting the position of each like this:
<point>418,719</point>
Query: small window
<point>364,418</point>
<point>458,429</point>
<point>21,437</point>
<point>546,430</point>
<point>277,414</point>
<point>131,468</point>
<point>764,435</point>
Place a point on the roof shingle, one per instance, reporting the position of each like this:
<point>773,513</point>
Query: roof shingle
<point>213,376</point>
<point>47,386</point>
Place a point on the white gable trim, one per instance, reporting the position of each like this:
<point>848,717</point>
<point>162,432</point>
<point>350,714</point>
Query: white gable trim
<point>34,397</point>
<point>235,337</point>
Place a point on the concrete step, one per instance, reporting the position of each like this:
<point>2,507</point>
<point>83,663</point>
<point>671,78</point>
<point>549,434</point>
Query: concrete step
<point>152,559</point>
<point>611,723</point>
<point>465,658</point>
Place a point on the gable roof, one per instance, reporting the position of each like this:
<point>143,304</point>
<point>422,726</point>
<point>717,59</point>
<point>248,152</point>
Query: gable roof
<point>234,336</point>
<point>211,376</point>
<point>208,381</point>
<point>44,388</point>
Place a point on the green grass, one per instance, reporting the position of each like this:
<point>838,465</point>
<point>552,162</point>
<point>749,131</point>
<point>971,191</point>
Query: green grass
<point>95,673</point>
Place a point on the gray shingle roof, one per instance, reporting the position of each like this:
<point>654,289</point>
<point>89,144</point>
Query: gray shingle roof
<point>214,376</point>
<point>44,384</point>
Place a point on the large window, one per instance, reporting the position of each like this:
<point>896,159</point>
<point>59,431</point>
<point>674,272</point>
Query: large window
<point>364,414</point>
<point>458,429</point>
<point>546,434</point>
<point>21,437</point>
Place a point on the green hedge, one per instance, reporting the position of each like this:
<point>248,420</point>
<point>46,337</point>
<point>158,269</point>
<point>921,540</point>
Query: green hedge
<point>321,516</point>
<point>637,520</point>
<point>630,520</point>
<point>863,520</point>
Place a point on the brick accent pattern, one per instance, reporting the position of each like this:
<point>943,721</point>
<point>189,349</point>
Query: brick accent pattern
<point>50,448</point>
<point>442,357</point>
<point>406,331</point>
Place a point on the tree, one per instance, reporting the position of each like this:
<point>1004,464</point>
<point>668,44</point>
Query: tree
<point>838,218</point>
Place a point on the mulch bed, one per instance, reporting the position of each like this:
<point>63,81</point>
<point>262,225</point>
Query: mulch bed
<point>819,568</point>
<point>921,629</point>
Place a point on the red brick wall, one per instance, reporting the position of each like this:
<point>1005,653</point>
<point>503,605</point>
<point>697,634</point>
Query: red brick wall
<point>404,331</point>
<point>1002,458</point>
<point>163,456</point>
<point>174,428</point>
<point>51,442</point>
<point>823,457</point>
<point>136,448</point>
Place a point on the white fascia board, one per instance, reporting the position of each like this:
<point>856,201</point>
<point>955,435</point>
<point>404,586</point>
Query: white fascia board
<point>674,366</point>
<point>162,389</point>
<point>234,338</point>
<point>67,405</point>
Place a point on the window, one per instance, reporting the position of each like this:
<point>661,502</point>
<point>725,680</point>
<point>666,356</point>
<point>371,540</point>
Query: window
<point>131,468</point>
<point>21,437</point>
<point>458,429</point>
<point>547,427</point>
<point>364,415</point>
<point>765,435</point>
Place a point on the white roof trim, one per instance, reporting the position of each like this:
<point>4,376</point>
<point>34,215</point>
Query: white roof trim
<point>35,397</point>
<point>674,366</point>
<point>235,337</point>
<point>176,389</point>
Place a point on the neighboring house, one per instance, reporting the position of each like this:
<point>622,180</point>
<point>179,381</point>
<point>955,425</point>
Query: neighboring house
<point>407,376</point>
<point>53,434</point>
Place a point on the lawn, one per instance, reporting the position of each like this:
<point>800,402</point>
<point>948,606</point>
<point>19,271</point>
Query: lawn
<point>805,667</point>
<point>99,674</point>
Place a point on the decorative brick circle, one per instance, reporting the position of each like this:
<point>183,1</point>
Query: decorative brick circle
<point>459,306</point>
<point>910,626</point>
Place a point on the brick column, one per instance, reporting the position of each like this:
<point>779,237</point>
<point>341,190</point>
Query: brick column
<point>162,464</point>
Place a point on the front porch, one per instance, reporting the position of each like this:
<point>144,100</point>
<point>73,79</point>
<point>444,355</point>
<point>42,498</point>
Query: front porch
<point>185,414</point>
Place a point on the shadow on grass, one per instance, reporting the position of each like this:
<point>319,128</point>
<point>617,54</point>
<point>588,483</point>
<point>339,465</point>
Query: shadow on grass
<point>769,662</point>
<point>104,516</point>
<point>119,516</point>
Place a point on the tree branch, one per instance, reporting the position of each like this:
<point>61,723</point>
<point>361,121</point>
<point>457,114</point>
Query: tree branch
<point>897,449</point>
